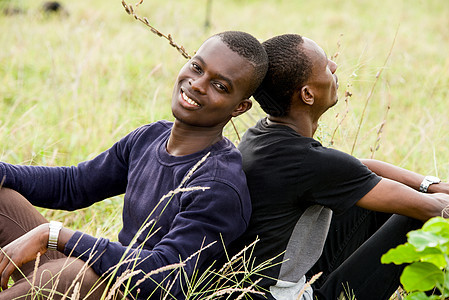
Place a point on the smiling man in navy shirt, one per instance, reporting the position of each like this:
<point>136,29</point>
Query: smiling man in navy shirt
<point>145,165</point>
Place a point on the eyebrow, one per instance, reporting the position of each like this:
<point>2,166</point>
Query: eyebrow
<point>220,76</point>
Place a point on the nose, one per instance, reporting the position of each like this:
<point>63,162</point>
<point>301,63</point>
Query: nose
<point>198,85</point>
<point>332,66</point>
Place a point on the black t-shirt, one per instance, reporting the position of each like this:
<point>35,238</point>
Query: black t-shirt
<point>294,184</point>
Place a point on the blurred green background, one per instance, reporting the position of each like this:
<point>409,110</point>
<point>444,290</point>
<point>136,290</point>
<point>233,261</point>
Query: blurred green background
<point>73,83</point>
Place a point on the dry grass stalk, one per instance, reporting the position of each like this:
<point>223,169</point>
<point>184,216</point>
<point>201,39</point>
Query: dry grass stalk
<point>371,92</point>
<point>180,189</point>
<point>445,212</point>
<point>76,292</point>
<point>75,281</point>
<point>130,10</point>
<point>348,95</point>
<point>36,265</point>
<point>308,284</point>
<point>126,261</point>
<point>380,131</point>
<point>243,291</point>
<point>194,168</point>
<point>170,285</point>
<point>152,222</point>
<point>236,131</point>
<point>236,257</point>
<point>125,276</point>
<point>159,270</point>
<point>198,252</point>
<point>234,266</point>
<point>337,53</point>
<point>141,230</point>
<point>250,290</point>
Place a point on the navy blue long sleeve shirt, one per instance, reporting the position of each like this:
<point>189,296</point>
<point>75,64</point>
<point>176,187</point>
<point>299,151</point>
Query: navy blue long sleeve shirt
<point>139,166</point>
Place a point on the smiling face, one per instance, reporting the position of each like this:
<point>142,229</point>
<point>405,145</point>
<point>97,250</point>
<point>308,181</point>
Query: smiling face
<point>322,81</point>
<point>212,87</point>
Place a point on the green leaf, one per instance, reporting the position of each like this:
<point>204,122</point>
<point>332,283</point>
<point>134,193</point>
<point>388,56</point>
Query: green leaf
<point>421,240</point>
<point>418,296</point>
<point>421,276</point>
<point>435,257</point>
<point>437,225</point>
<point>405,253</point>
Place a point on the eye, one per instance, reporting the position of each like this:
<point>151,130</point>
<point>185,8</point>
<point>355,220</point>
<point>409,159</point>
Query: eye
<point>195,67</point>
<point>221,87</point>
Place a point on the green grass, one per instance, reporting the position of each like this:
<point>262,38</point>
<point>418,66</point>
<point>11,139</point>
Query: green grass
<point>71,86</point>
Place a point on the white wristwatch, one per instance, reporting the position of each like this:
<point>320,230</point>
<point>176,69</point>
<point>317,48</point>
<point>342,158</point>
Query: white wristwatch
<point>53,236</point>
<point>428,180</point>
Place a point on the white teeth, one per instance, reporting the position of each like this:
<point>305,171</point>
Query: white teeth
<point>188,100</point>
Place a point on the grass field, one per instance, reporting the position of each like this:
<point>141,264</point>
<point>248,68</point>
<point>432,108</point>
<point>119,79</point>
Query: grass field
<point>72,85</point>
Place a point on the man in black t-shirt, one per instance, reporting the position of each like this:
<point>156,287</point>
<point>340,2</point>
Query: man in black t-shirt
<point>314,207</point>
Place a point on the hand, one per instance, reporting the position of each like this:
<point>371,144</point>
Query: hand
<point>442,187</point>
<point>22,250</point>
<point>443,199</point>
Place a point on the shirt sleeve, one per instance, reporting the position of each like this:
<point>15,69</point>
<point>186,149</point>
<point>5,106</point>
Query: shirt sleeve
<point>74,187</point>
<point>339,180</point>
<point>216,215</point>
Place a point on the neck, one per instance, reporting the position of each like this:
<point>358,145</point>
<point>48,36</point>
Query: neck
<point>185,139</point>
<point>300,121</point>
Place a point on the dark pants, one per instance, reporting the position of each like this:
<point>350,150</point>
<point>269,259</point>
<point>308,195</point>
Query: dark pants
<point>351,256</point>
<point>56,273</point>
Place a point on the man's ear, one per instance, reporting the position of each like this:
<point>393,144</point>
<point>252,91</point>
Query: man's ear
<point>242,107</point>
<point>306,94</point>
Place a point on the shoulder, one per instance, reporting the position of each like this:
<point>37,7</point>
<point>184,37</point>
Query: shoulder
<point>154,128</point>
<point>224,167</point>
<point>149,131</point>
<point>336,169</point>
<point>221,172</point>
<point>269,146</point>
<point>328,159</point>
<point>224,164</point>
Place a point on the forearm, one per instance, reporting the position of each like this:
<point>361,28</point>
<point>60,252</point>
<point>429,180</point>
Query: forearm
<point>49,187</point>
<point>64,236</point>
<point>409,178</point>
<point>26,248</point>
<point>393,172</point>
<point>42,234</point>
<point>67,188</point>
<point>114,259</point>
<point>392,197</point>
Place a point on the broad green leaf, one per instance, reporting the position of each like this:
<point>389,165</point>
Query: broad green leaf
<point>421,240</point>
<point>438,226</point>
<point>404,253</point>
<point>434,256</point>
<point>421,276</point>
<point>419,296</point>
<point>407,253</point>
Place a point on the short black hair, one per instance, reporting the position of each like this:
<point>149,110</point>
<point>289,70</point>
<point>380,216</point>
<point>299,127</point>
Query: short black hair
<point>289,67</point>
<point>248,47</point>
